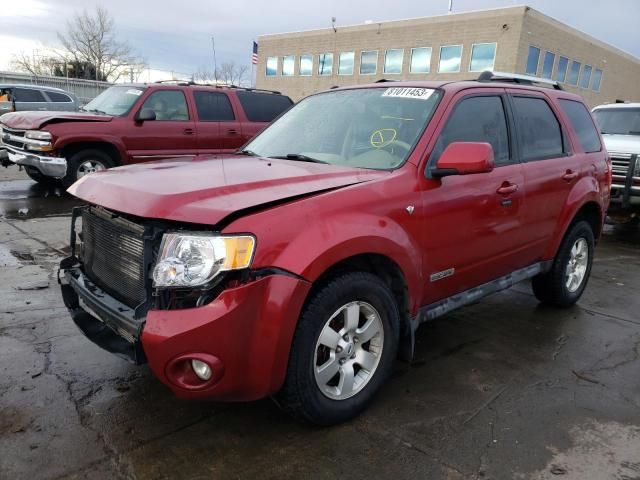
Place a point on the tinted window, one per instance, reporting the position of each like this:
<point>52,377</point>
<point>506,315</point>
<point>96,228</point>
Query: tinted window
<point>450,57</point>
<point>27,95</point>
<point>539,132</point>
<point>561,74</point>
<point>368,62</point>
<point>168,105</point>
<point>483,56</point>
<point>420,60</point>
<point>532,60</point>
<point>213,107</point>
<point>58,97</point>
<point>489,125</point>
<point>547,64</point>
<point>262,107</point>
<point>582,125</point>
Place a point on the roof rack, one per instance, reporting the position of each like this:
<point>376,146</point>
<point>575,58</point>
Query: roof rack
<point>489,76</point>
<point>177,82</point>
<point>214,85</point>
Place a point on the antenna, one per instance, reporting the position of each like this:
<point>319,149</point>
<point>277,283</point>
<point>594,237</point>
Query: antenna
<point>215,65</point>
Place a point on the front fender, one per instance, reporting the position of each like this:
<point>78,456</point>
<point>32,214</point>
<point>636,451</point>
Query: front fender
<point>584,191</point>
<point>65,140</point>
<point>319,246</point>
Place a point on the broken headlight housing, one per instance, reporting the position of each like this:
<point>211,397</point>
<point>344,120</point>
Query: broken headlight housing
<point>191,260</point>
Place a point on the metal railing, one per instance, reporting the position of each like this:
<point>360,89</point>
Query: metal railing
<point>85,90</point>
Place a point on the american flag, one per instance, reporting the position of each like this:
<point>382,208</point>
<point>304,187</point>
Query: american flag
<point>254,57</point>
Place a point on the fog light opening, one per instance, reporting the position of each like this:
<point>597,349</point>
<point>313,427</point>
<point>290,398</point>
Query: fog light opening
<point>201,369</point>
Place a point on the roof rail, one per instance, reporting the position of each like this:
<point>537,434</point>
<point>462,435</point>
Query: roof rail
<point>177,82</point>
<point>198,84</point>
<point>489,76</point>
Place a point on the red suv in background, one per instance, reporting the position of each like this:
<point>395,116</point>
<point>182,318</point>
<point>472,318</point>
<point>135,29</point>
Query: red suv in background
<point>302,265</point>
<point>137,123</point>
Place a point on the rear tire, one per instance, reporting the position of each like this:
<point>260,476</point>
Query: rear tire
<point>564,284</point>
<point>343,350</point>
<point>84,163</point>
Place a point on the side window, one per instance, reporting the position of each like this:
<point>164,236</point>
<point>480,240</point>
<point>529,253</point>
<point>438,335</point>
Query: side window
<point>27,95</point>
<point>539,132</point>
<point>477,119</point>
<point>262,107</point>
<point>213,107</point>
<point>57,97</point>
<point>582,125</point>
<point>168,105</point>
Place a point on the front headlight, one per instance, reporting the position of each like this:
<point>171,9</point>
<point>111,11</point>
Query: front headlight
<point>38,140</point>
<point>193,260</point>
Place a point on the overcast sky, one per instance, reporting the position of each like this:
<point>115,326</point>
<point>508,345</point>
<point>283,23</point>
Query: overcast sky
<point>176,35</point>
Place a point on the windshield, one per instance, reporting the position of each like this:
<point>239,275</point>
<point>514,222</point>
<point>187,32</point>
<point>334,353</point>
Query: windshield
<point>618,121</point>
<point>116,101</point>
<point>367,128</point>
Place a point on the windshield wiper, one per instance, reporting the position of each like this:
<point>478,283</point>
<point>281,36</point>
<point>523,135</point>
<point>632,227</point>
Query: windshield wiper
<point>248,153</point>
<point>300,157</point>
<point>94,110</point>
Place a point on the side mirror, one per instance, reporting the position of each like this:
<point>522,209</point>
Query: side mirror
<point>464,158</point>
<point>145,115</point>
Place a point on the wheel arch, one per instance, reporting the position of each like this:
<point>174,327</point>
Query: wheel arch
<point>109,148</point>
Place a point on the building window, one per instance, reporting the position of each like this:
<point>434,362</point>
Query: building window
<point>547,64</point>
<point>325,63</point>
<point>574,73</point>
<point>306,65</point>
<point>288,65</point>
<point>272,66</point>
<point>369,62</point>
<point>450,58</point>
<point>586,76</point>
<point>483,57</point>
<point>561,74</point>
<point>393,58</point>
<point>420,60</point>
<point>345,63</point>
<point>597,78</point>
<point>532,60</point>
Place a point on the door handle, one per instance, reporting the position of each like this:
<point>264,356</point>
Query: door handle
<point>188,131</point>
<point>232,131</point>
<point>507,188</point>
<point>569,176</point>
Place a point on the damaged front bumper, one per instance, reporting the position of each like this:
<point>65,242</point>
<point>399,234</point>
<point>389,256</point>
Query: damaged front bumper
<point>55,167</point>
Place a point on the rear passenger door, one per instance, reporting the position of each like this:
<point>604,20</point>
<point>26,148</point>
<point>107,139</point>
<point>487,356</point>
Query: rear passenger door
<point>218,129</point>
<point>550,167</point>
<point>29,99</point>
<point>260,108</point>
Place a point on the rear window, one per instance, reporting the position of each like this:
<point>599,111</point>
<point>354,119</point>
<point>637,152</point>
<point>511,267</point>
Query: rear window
<point>582,125</point>
<point>539,133</point>
<point>27,95</point>
<point>263,107</point>
<point>59,97</point>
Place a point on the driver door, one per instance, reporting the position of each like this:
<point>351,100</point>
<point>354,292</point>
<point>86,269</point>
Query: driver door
<point>472,225</point>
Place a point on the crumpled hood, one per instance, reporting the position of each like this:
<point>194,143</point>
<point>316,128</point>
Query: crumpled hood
<point>208,189</point>
<point>35,120</point>
<point>622,143</point>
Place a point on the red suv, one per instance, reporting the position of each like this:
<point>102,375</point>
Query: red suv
<point>303,265</point>
<point>137,123</point>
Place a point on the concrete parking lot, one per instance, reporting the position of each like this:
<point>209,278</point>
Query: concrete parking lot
<point>502,389</point>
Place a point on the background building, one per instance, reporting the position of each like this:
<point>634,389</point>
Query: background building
<point>448,47</point>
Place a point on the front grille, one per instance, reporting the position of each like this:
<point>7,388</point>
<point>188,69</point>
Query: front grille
<point>620,163</point>
<point>113,255</point>
<point>13,137</point>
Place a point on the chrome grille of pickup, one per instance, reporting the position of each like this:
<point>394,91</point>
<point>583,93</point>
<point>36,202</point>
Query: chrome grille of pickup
<point>620,169</point>
<point>113,255</point>
<point>13,137</point>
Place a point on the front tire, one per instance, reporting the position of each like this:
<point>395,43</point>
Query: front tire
<point>343,349</point>
<point>84,163</point>
<point>564,284</point>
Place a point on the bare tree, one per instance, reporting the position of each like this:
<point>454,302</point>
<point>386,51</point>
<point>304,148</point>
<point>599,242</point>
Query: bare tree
<point>203,74</point>
<point>90,40</point>
<point>232,73</point>
<point>48,63</point>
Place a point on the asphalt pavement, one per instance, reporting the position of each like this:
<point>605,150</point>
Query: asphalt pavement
<point>502,389</point>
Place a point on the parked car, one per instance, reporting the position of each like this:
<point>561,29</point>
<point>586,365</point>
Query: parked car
<point>620,127</point>
<point>137,123</point>
<point>20,98</point>
<point>302,266</point>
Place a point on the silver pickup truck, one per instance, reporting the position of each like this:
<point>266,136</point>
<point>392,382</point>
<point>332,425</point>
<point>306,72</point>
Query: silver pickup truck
<point>620,127</point>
